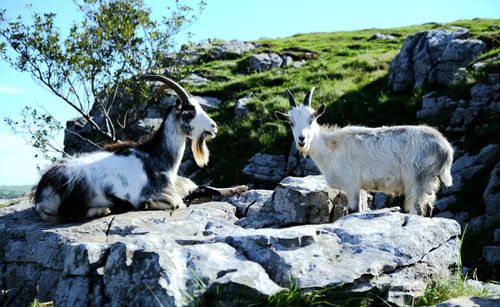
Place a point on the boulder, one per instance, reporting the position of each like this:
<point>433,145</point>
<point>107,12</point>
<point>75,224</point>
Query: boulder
<point>195,79</point>
<point>381,37</point>
<point>301,200</point>
<point>265,168</point>
<point>306,200</point>
<point>208,103</point>
<point>199,256</point>
<point>432,57</point>
<point>432,105</point>
<point>241,110</point>
<point>491,196</point>
<point>468,166</point>
<point>230,49</point>
<point>264,61</point>
<point>287,61</point>
<point>193,54</point>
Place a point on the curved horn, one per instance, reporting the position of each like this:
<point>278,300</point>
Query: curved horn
<point>290,98</point>
<point>308,98</point>
<point>179,90</point>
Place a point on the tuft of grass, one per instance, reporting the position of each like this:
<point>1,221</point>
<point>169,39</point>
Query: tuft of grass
<point>294,296</point>
<point>445,289</point>
<point>37,303</point>
<point>451,287</point>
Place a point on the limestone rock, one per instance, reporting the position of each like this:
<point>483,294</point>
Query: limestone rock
<point>208,51</point>
<point>467,166</point>
<point>264,61</point>
<point>287,61</point>
<point>199,256</point>
<point>432,57</point>
<point>208,103</point>
<point>491,196</point>
<point>241,110</point>
<point>230,49</point>
<point>381,37</point>
<point>265,168</point>
<point>195,79</point>
<point>301,200</point>
<point>305,200</point>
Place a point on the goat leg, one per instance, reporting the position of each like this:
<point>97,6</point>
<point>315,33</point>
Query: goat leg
<point>209,192</point>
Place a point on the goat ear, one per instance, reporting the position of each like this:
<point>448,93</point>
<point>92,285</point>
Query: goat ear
<point>178,104</point>
<point>291,99</point>
<point>308,98</point>
<point>281,116</point>
<point>320,111</point>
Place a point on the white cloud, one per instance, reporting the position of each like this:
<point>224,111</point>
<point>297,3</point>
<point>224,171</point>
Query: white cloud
<point>6,89</point>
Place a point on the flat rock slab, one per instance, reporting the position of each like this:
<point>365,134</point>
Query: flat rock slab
<point>198,255</point>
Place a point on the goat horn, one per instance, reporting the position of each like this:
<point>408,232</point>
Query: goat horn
<point>308,98</point>
<point>179,90</point>
<point>290,98</point>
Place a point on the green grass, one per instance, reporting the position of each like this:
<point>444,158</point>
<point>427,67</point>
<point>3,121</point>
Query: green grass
<point>450,287</point>
<point>349,72</point>
<point>445,289</point>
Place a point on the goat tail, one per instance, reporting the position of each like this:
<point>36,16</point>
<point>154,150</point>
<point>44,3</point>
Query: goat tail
<point>445,174</point>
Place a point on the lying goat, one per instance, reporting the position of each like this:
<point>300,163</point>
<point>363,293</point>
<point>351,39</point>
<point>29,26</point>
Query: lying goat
<point>134,176</point>
<point>396,160</point>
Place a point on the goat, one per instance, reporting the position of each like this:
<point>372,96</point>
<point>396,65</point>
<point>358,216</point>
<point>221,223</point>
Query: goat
<point>395,160</point>
<point>133,176</point>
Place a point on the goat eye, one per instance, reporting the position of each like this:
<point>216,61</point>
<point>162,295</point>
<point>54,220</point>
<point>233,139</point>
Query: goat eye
<point>188,114</point>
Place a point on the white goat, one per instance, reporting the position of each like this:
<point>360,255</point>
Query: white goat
<point>135,176</point>
<point>396,160</point>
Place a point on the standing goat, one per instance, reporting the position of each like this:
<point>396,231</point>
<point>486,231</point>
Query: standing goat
<point>135,176</point>
<point>396,160</point>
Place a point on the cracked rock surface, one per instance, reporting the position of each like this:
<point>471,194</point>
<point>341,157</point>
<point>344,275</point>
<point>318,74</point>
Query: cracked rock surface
<point>199,255</point>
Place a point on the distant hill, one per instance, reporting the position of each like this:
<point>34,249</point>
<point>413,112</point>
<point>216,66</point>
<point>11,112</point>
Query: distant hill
<point>13,191</point>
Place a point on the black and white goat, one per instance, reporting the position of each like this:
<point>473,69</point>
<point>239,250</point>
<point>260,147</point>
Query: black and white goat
<point>135,176</point>
<point>407,160</point>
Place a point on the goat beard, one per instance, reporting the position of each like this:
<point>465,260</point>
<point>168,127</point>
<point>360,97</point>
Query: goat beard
<point>304,151</point>
<point>200,150</point>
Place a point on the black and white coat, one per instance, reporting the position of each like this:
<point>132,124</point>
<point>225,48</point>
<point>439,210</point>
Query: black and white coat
<point>134,177</point>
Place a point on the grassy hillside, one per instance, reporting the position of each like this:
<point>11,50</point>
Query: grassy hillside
<point>349,72</point>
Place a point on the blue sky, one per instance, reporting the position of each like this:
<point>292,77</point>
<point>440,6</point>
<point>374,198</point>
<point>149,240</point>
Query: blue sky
<point>225,19</point>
